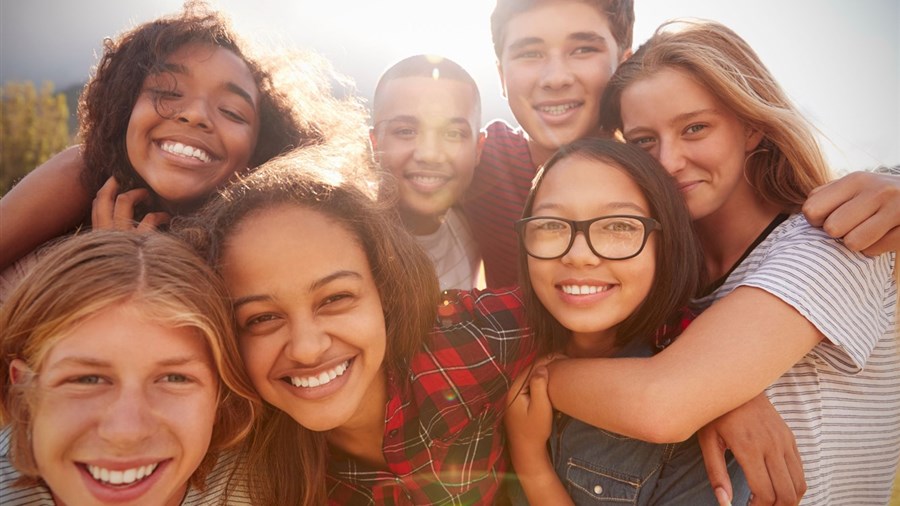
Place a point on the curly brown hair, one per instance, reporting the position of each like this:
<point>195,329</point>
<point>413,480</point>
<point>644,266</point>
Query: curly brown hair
<point>296,105</point>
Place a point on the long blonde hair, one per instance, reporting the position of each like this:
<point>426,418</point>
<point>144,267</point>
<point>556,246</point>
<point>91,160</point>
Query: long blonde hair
<point>91,272</point>
<point>788,163</point>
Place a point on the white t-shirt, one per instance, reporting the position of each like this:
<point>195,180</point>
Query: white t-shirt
<point>453,252</point>
<point>842,400</point>
<point>222,488</point>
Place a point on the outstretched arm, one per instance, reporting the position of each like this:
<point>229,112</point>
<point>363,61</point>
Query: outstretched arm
<point>707,372</point>
<point>862,208</point>
<point>45,204</point>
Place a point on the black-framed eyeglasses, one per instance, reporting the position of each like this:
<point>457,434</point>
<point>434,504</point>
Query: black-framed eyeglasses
<point>615,237</point>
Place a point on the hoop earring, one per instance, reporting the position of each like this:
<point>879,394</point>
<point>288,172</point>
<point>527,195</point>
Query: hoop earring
<point>746,159</point>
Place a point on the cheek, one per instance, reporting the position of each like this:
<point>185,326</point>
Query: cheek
<point>258,359</point>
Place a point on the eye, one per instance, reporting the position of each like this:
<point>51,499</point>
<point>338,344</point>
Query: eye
<point>164,93</point>
<point>621,226</point>
<point>456,134</point>
<point>527,54</point>
<point>586,50</point>
<point>332,299</point>
<point>404,132</point>
<point>695,128</point>
<point>87,379</point>
<point>234,116</point>
<point>260,319</point>
<point>176,378</point>
<point>641,140</point>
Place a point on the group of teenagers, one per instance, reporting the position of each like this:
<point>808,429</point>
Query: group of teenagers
<point>262,306</point>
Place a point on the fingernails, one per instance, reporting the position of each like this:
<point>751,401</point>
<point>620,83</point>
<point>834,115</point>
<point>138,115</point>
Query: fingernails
<point>722,497</point>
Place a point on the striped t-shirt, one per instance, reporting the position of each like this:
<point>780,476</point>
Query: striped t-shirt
<point>842,400</point>
<point>224,485</point>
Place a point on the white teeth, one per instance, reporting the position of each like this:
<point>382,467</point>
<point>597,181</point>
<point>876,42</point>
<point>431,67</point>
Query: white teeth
<point>177,148</point>
<point>557,109</point>
<point>583,289</point>
<point>123,477</point>
<point>320,379</point>
<point>427,180</point>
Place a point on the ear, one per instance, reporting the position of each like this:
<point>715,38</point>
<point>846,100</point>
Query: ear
<point>19,372</point>
<point>372,139</point>
<point>479,146</point>
<point>752,138</point>
<point>625,55</point>
<point>502,80</point>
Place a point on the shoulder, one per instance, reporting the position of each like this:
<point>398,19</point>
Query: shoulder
<point>17,496</point>
<point>500,132</point>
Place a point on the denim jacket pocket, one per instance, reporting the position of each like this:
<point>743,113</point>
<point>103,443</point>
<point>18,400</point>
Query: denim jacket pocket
<point>589,484</point>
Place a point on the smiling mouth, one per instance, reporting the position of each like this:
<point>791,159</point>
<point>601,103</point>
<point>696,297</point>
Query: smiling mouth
<point>584,289</point>
<point>121,478</point>
<point>558,110</point>
<point>323,378</point>
<point>179,149</point>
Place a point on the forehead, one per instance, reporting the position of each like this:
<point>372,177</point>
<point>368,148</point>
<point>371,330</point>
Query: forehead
<point>212,63</point>
<point>288,244</point>
<point>580,182</point>
<point>427,100</point>
<point>553,20</point>
<point>111,334</point>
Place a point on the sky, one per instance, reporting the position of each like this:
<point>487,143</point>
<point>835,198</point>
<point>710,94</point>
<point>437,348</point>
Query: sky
<point>839,60</point>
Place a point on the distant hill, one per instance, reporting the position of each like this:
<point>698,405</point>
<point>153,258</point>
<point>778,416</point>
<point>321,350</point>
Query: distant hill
<point>72,93</point>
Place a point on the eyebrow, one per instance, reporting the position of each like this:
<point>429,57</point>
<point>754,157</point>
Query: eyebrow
<point>319,283</point>
<point>587,37</point>
<point>611,206</point>
<point>524,42</point>
<point>94,362</point>
<point>229,85</point>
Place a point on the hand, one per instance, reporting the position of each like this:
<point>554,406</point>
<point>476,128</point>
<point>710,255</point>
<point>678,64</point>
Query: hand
<point>529,417</point>
<point>862,208</point>
<point>114,210</point>
<point>765,448</point>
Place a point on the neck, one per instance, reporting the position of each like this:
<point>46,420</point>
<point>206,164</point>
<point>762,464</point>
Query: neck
<point>592,345</point>
<point>362,437</point>
<point>418,224</point>
<point>726,234</point>
<point>539,154</point>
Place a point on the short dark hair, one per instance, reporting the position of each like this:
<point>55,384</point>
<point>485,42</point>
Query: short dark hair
<point>679,263</point>
<point>619,12</point>
<point>427,65</point>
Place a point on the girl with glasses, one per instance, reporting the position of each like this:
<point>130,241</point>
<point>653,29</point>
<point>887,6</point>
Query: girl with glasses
<point>608,263</point>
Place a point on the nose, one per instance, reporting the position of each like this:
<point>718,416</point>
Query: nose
<point>196,113</point>
<point>128,419</point>
<point>580,254</point>
<point>429,149</point>
<point>671,157</point>
<point>308,342</point>
<point>556,73</point>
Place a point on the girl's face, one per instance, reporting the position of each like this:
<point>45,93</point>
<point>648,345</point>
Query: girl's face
<point>587,294</point>
<point>208,128</point>
<point>696,138</point>
<point>115,426</point>
<point>311,326</point>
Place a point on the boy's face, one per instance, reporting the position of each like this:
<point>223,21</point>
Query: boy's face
<point>556,61</point>
<point>426,134</point>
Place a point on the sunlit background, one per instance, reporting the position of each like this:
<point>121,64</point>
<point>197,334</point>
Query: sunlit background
<point>838,59</point>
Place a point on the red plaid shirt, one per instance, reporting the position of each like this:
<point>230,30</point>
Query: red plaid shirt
<point>442,438</point>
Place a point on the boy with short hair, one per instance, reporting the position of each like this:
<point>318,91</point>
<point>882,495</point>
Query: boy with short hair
<point>555,58</point>
<point>426,118</point>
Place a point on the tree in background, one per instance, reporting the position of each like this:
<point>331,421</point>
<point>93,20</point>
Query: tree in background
<point>33,127</point>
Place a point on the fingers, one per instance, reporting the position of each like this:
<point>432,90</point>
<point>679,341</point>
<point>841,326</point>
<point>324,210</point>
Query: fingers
<point>114,210</point>
<point>861,208</point>
<point>713,449</point>
<point>537,386</point>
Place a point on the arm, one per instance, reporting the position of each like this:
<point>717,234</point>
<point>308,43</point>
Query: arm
<point>48,202</point>
<point>863,208</point>
<point>728,355</point>
<point>528,423</point>
<point>765,448</point>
